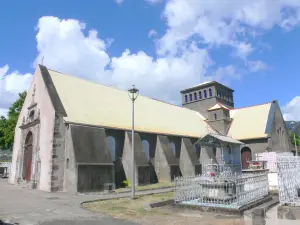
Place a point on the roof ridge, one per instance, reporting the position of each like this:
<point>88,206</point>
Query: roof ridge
<point>252,105</point>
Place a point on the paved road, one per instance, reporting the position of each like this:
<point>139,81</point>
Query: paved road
<point>33,207</point>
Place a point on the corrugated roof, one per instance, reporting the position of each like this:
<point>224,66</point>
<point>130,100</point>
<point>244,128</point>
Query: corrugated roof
<point>249,122</point>
<point>217,106</point>
<point>90,103</point>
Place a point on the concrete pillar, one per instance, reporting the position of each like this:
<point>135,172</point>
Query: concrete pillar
<point>142,173</point>
<point>165,160</point>
<point>189,163</point>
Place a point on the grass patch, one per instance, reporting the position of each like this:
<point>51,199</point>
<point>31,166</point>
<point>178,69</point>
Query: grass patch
<point>150,186</point>
<point>126,207</point>
<point>133,210</point>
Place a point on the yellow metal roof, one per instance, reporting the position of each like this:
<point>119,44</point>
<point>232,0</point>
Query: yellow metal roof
<point>249,122</point>
<point>91,103</point>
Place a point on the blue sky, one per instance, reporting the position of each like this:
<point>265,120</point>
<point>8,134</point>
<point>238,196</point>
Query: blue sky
<point>161,46</point>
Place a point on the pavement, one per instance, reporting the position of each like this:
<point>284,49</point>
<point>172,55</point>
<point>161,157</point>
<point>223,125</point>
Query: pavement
<point>33,207</point>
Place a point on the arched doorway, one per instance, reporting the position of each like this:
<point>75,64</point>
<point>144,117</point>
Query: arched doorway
<point>246,155</point>
<point>28,157</point>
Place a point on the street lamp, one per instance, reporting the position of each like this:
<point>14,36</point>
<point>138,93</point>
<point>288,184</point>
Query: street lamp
<point>292,126</point>
<point>133,93</point>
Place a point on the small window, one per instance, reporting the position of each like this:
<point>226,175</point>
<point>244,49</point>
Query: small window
<point>173,147</point>
<point>226,114</point>
<point>215,115</point>
<point>67,164</point>
<point>229,150</point>
<point>195,96</point>
<point>186,98</point>
<point>205,94</point>
<point>200,95</point>
<point>31,115</point>
<point>191,97</point>
<point>210,92</point>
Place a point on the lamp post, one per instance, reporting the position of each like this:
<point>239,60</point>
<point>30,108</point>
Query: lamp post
<point>292,126</point>
<point>133,93</point>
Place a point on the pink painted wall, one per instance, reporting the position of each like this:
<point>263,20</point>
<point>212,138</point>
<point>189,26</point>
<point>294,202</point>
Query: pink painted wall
<point>47,116</point>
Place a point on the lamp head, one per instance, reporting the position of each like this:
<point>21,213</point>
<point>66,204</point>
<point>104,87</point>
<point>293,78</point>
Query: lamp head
<point>133,90</point>
<point>133,93</point>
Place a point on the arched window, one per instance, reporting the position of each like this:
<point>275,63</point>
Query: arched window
<point>210,92</point>
<point>173,147</point>
<point>186,98</point>
<point>195,96</point>
<point>191,97</point>
<point>197,149</point>
<point>200,95</point>
<point>146,147</point>
<point>112,147</point>
<point>205,94</point>
<point>215,115</point>
<point>283,140</point>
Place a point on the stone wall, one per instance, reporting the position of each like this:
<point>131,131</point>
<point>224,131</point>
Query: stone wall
<point>58,154</point>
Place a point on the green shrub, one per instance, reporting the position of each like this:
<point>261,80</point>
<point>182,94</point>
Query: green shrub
<point>126,183</point>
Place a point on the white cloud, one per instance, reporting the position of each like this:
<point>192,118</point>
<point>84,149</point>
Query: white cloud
<point>152,33</point>
<point>255,66</point>
<point>154,1</point>
<point>10,85</point>
<point>161,78</point>
<point>119,1</point>
<point>291,111</point>
<point>65,48</point>
<point>227,73</point>
<point>243,50</point>
<point>224,22</point>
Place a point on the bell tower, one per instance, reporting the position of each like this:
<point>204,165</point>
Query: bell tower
<point>206,95</point>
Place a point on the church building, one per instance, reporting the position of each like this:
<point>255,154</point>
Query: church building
<point>75,135</point>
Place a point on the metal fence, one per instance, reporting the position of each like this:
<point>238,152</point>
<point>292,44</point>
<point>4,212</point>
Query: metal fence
<point>271,159</point>
<point>288,169</point>
<point>222,169</point>
<point>230,191</point>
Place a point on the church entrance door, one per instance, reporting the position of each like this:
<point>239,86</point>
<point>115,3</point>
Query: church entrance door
<point>246,155</point>
<point>28,156</point>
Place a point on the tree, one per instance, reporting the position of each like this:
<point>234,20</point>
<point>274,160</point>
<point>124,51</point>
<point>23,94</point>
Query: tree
<point>293,140</point>
<point>7,125</point>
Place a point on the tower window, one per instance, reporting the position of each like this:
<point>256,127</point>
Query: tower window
<point>195,96</point>
<point>215,115</point>
<point>191,97</point>
<point>205,94</point>
<point>210,92</point>
<point>200,95</point>
<point>186,98</point>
